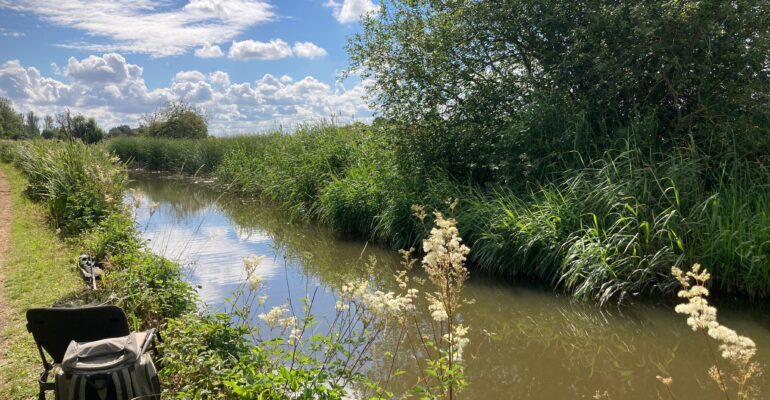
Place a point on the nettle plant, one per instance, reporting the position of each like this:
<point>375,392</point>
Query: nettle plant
<point>292,361</point>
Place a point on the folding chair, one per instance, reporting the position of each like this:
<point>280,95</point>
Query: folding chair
<point>54,329</point>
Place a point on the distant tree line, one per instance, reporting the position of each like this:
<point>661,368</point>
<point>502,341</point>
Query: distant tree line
<point>175,120</point>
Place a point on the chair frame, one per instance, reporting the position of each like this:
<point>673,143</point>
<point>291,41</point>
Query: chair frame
<point>113,322</point>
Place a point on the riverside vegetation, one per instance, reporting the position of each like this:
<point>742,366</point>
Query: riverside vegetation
<point>591,145</point>
<point>226,355</point>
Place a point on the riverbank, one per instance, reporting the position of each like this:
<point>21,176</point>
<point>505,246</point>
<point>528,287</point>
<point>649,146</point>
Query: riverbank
<point>38,271</point>
<point>71,200</point>
<point>603,227</point>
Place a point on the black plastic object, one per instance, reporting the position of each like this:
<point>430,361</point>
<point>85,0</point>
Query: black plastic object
<point>54,328</point>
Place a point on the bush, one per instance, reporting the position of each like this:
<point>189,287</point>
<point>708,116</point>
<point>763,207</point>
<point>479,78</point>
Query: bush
<point>176,120</point>
<point>149,287</point>
<point>199,351</point>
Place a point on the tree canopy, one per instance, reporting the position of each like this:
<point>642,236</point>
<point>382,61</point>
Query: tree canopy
<point>560,74</point>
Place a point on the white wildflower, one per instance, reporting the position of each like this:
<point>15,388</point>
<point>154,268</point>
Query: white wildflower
<point>272,317</point>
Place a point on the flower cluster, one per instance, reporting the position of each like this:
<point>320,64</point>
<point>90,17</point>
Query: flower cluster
<point>277,316</point>
<point>250,264</point>
<point>737,350</point>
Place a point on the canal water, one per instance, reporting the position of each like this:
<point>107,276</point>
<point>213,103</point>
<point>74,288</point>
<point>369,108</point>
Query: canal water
<point>526,343</point>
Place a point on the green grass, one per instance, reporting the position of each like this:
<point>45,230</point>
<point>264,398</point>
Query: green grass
<point>598,228</point>
<point>39,269</point>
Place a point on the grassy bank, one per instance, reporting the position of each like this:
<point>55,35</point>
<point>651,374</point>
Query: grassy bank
<point>599,227</point>
<point>39,270</point>
<point>77,207</point>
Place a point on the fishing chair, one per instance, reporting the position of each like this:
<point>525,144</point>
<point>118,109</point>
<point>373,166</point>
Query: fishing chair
<point>54,328</point>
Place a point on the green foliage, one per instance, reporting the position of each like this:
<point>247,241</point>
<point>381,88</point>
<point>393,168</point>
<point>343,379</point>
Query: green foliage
<point>198,351</point>
<point>121,130</point>
<point>80,184</point>
<point>11,123</point>
<point>598,228</point>
<point>476,88</point>
<point>48,134</point>
<point>149,287</point>
<point>86,130</point>
<point>115,236</point>
<point>259,377</point>
<point>176,120</point>
<point>182,155</point>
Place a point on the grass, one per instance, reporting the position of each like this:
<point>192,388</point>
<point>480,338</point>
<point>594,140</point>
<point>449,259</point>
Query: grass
<point>39,270</point>
<point>601,228</point>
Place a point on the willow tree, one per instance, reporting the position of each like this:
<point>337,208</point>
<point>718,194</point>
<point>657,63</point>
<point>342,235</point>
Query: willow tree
<point>473,85</point>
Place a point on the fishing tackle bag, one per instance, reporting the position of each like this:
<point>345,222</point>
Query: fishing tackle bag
<point>107,369</point>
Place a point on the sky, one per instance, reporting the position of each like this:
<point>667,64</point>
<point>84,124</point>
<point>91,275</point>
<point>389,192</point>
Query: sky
<point>251,65</point>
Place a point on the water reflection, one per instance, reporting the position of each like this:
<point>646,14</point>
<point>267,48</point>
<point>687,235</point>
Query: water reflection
<point>525,343</point>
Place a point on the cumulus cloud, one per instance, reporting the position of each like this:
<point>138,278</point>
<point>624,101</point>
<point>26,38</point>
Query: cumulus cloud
<point>308,50</point>
<point>110,68</point>
<point>275,49</point>
<point>209,51</point>
<point>254,50</point>
<point>114,91</point>
<point>351,10</point>
<point>144,26</point>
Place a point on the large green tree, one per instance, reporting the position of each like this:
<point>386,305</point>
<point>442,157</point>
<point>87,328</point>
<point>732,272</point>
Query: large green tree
<point>470,80</point>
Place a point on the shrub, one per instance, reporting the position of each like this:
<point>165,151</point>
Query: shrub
<point>149,287</point>
<point>176,120</point>
<point>199,351</point>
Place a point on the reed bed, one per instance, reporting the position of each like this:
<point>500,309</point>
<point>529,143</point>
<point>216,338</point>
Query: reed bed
<point>601,228</point>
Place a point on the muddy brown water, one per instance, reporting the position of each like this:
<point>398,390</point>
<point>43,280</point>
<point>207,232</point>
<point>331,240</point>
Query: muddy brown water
<point>525,343</point>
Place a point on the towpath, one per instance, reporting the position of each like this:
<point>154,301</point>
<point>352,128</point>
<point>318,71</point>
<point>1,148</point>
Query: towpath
<point>5,231</point>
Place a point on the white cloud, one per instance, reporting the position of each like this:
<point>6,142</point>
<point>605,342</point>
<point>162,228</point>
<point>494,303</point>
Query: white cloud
<point>189,76</point>
<point>351,10</point>
<point>9,33</point>
<point>209,51</point>
<point>308,50</point>
<point>110,68</point>
<point>113,90</point>
<point>275,49</point>
<point>144,26</point>
<point>254,50</point>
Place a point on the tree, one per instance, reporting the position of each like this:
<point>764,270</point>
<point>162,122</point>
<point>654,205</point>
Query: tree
<point>86,130</point>
<point>462,78</point>
<point>31,125</point>
<point>121,130</point>
<point>78,127</point>
<point>10,122</point>
<point>48,128</point>
<point>176,120</point>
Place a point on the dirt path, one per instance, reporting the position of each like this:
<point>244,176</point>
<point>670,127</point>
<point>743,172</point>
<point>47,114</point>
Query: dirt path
<point>5,231</point>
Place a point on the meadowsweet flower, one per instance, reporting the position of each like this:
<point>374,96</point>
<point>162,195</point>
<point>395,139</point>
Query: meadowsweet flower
<point>272,317</point>
<point>341,305</point>
<point>737,350</point>
<point>288,322</point>
<point>153,207</point>
<point>255,281</point>
<point>251,263</point>
<point>665,380</point>
<point>437,310</point>
<point>261,300</point>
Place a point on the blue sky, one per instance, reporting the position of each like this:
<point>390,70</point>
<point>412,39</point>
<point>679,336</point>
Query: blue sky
<point>250,64</point>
